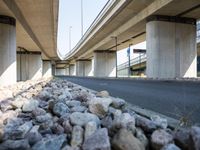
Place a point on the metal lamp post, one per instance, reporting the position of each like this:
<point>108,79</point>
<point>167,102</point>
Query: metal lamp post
<point>115,37</point>
<point>70,27</point>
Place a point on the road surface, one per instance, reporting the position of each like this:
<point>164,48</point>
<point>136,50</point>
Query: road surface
<point>171,98</point>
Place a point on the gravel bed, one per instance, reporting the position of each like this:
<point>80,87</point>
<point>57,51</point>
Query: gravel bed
<point>54,114</point>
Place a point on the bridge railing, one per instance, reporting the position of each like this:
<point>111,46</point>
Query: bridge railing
<point>198,31</point>
<point>134,61</point>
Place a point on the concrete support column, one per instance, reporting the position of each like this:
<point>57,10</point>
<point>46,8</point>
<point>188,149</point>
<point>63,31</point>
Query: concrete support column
<point>60,71</point>
<point>67,71</point>
<point>83,67</point>
<point>29,65</point>
<point>8,72</point>
<point>53,68</point>
<point>105,63</point>
<point>72,70</point>
<point>171,47</point>
<point>46,68</point>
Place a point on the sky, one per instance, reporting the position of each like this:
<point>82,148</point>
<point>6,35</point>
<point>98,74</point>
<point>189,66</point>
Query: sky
<point>70,17</point>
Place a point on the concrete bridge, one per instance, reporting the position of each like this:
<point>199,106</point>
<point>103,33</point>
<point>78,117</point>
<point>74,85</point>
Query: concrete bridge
<point>168,26</point>
<point>28,39</point>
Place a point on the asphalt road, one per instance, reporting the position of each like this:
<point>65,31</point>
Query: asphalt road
<point>171,98</point>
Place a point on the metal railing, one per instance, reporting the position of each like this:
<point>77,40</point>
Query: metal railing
<point>140,59</point>
<point>198,31</point>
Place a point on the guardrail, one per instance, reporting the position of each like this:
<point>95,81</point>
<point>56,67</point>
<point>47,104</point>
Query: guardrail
<point>198,31</point>
<point>135,61</point>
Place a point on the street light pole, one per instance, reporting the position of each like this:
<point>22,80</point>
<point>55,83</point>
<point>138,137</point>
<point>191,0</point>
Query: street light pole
<point>129,61</point>
<point>70,27</point>
<point>115,37</point>
<point>81,18</point>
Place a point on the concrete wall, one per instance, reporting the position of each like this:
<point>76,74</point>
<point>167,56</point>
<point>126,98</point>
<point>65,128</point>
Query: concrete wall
<point>83,67</point>
<point>104,64</point>
<point>29,67</point>
<point>46,68</point>
<point>8,72</point>
<point>171,50</point>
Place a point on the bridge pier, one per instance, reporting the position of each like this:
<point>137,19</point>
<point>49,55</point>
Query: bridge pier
<point>105,63</point>
<point>29,65</point>
<point>67,71</point>
<point>72,69</point>
<point>171,47</point>
<point>46,68</point>
<point>83,67</point>
<point>8,72</point>
<point>60,71</point>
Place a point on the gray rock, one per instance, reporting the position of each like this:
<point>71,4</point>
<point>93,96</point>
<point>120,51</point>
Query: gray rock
<point>160,138</point>
<point>67,147</point>
<point>147,125</point>
<point>161,122</point>
<point>90,128</point>
<point>118,103</point>
<point>107,122</point>
<point>182,138</point>
<point>78,109</point>
<point>67,94</point>
<point>43,118</point>
<point>115,112</point>
<point>99,106</point>
<point>51,104</point>
<point>170,147</point>
<point>77,136</point>
<point>124,140</point>
<point>57,129</point>
<point>73,103</point>
<point>30,105</point>
<point>195,134</point>
<point>104,94</point>
<point>123,121</point>
<point>18,103</point>
<point>60,109</point>
<point>38,112</point>
<point>81,119</point>
<point>8,115</point>
<point>6,105</point>
<point>50,143</point>
<point>25,128</point>
<point>15,131</point>
<point>34,136</point>
<point>142,137</point>
<point>67,127</point>
<point>15,145</point>
<point>97,141</point>
<point>44,95</point>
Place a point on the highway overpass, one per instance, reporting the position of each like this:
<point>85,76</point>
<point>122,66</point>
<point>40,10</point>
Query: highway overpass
<point>168,26</point>
<point>28,41</point>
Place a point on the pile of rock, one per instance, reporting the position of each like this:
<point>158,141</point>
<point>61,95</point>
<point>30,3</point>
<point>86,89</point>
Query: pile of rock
<point>56,114</point>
